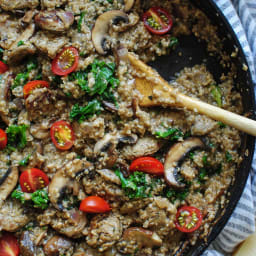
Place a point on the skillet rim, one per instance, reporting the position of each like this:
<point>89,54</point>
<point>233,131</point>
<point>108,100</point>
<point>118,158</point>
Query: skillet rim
<point>237,188</point>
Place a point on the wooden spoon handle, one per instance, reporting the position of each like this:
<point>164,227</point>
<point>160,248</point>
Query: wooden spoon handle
<point>154,82</point>
<point>241,123</point>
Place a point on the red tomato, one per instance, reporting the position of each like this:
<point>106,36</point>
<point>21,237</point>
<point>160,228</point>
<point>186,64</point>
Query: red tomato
<point>94,204</point>
<point>147,164</point>
<point>65,62</point>
<point>30,86</point>
<point>157,20</point>
<point>62,135</point>
<point>3,67</point>
<point>9,245</point>
<point>3,139</point>
<point>188,219</point>
<point>32,180</point>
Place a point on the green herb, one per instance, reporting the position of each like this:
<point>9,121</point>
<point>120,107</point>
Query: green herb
<point>20,43</point>
<point>24,162</point>
<point>32,64</point>
<point>82,54</point>
<point>104,78</point>
<point>201,175</point>
<point>110,1</point>
<point>1,51</point>
<point>105,82</point>
<point>16,137</point>
<point>18,194</point>
<point>173,42</point>
<point>79,24</point>
<point>216,93</point>
<point>228,157</point>
<point>135,186</point>
<point>172,133</point>
<point>80,113</point>
<point>40,199</point>
<point>82,79</point>
<point>205,160</point>
<point>174,195</point>
<point>22,78</point>
<point>221,125</point>
<point>191,155</point>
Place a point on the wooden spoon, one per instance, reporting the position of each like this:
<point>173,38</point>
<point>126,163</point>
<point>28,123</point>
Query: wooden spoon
<point>156,91</point>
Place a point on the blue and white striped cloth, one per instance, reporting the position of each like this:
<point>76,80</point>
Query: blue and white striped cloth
<point>241,14</point>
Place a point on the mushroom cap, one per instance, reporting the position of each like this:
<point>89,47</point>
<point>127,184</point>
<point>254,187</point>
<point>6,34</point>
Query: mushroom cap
<point>101,27</point>
<point>128,5</point>
<point>8,182</point>
<point>143,237</point>
<point>175,156</point>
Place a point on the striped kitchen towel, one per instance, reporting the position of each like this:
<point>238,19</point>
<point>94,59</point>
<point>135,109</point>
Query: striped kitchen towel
<point>241,14</point>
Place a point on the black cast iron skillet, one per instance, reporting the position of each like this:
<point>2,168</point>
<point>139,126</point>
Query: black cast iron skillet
<point>194,52</point>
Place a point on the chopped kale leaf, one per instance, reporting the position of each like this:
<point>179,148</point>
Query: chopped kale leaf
<point>81,113</point>
<point>172,133</point>
<point>37,199</point>
<point>40,199</point>
<point>16,135</point>
<point>135,186</point>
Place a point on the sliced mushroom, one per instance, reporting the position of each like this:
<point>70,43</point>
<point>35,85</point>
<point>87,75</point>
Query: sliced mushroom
<point>143,237</point>
<point>17,53</point>
<point>174,158</point>
<point>69,223</point>
<point>27,246</point>
<point>109,106</point>
<point>128,5</point>
<point>101,27</point>
<point>58,188</point>
<point>57,245</point>
<point>55,21</point>
<point>109,140</point>
<point>28,17</point>
<point>143,147</point>
<point>13,215</point>
<point>128,139</point>
<point>65,181</point>
<point>109,175</point>
<point>8,181</point>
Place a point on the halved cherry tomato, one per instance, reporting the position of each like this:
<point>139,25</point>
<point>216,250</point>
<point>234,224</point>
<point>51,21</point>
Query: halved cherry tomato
<point>31,86</point>
<point>157,20</point>
<point>3,67</point>
<point>188,219</point>
<point>9,245</point>
<point>62,135</point>
<point>3,139</point>
<point>66,61</point>
<point>147,164</point>
<point>32,180</point>
<point>94,204</point>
